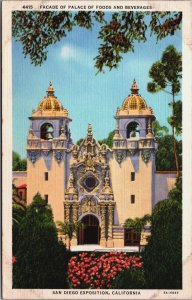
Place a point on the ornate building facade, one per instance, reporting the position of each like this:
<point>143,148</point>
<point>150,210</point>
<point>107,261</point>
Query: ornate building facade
<point>91,183</point>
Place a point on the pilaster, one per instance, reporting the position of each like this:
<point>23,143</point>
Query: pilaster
<point>103,238</point>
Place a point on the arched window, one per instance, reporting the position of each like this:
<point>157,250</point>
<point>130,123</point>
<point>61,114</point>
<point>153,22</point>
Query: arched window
<point>47,131</point>
<point>133,130</point>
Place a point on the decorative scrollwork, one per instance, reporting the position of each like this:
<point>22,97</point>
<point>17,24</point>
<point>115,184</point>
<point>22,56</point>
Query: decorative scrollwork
<point>88,205</point>
<point>120,155</point>
<point>58,156</point>
<point>146,154</point>
<point>33,156</point>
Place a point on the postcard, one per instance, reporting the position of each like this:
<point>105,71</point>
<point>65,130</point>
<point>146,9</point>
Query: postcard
<point>96,99</point>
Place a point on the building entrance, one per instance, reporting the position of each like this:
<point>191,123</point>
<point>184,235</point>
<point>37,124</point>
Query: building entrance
<point>90,231</point>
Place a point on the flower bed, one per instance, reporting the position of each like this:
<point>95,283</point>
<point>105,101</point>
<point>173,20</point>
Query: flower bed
<point>97,272</point>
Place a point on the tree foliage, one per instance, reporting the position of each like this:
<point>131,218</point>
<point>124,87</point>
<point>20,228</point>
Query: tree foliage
<point>70,229</point>
<point>166,76</point>
<point>176,120</point>
<point>118,34</point>
<point>137,224</point>
<point>163,254</point>
<point>18,213</point>
<point>164,158</point>
<point>109,140</point>
<point>79,142</point>
<point>18,164</point>
<point>167,72</point>
<point>158,130</point>
<point>41,260</point>
<point>129,279</point>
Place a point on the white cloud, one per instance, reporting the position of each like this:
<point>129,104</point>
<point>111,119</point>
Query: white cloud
<point>68,52</point>
<point>78,55</point>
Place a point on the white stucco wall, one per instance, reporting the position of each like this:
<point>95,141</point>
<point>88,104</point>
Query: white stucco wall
<point>164,182</point>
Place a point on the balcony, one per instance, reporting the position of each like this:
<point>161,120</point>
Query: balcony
<point>135,143</point>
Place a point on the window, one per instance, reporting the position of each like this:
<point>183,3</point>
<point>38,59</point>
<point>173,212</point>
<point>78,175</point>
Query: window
<point>133,130</point>
<point>46,198</point>
<point>47,131</point>
<point>131,238</point>
<point>132,176</point>
<point>21,195</point>
<point>46,176</point>
<point>132,199</point>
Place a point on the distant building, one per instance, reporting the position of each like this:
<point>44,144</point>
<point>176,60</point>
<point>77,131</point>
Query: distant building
<point>98,186</point>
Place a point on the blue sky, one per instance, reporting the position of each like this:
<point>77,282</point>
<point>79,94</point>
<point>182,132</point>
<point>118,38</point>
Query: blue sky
<point>90,98</point>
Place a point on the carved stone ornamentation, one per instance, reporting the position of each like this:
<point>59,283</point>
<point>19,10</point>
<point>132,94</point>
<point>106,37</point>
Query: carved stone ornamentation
<point>146,154</point>
<point>120,155</point>
<point>67,212</point>
<point>58,156</point>
<point>110,222</point>
<point>132,151</point>
<point>89,162</point>
<point>75,213</point>
<point>102,222</point>
<point>33,156</point>
<point>75,152</point>
<point>89,205</point>
<point>45,153</point>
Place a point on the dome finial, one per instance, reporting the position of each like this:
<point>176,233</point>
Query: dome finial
<point>50,90</point>
<point>89,130</point>
<point>134,88</point>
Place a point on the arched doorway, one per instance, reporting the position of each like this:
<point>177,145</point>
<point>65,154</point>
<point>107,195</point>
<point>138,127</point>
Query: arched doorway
<point>89,233</point>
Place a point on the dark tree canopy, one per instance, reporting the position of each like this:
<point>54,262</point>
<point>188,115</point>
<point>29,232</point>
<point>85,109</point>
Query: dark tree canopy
<point>165,160</point>
<point>166,76</point>
<point>118,34</point>
<point>109,140</point>
<point>158,130</point>
<point>41,261</point>
<point>163,254</point>
<point>166,73</point>
<point>18,164</point>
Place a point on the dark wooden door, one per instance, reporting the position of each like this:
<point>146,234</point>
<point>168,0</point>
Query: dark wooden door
<point>90,232</point>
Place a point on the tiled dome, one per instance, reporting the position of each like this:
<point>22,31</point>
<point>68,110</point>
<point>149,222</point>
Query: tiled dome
<point>50,102</point>
<point>134,101</point>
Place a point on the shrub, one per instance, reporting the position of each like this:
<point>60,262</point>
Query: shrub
<point>163,255</point>
<point>41,261</point>
<point>129,279</point>
<point>97,272</point>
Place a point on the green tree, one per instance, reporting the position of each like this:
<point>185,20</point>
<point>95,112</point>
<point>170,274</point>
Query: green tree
<point>164,158</point>
<point>41,261</point>
<point>158,130</point>
<point>70,229</point>
<point>18,164</point>
<point>137,224</point>
<point>109,140</point>
<point>18,213</point>
<point>176,121</point>
<point>163,254</point>
<point>166,75</point>
<point>79,142</point>
<point>118,33</point>
<point>129,279</point>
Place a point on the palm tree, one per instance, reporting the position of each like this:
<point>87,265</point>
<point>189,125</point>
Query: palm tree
<point>69,229</point>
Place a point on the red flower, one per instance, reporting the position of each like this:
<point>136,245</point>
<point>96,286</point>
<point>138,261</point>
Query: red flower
<point>14,260</point>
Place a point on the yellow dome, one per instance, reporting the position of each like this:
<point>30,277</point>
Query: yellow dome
<point>50,102</point>
<point>134,101</point>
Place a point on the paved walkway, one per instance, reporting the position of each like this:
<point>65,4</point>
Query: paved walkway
<point>98,248</point>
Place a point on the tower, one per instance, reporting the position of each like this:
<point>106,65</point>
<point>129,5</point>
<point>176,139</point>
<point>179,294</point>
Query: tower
<point>133,163</point>
<point>48,146</point>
